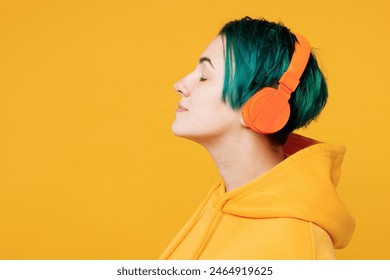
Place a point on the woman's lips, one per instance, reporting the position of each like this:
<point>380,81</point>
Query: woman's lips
<point>181,108</point>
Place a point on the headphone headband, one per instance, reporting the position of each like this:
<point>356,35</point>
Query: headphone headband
<point>298,63</point>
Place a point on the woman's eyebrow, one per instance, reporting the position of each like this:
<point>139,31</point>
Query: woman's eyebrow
<point>203,58</point>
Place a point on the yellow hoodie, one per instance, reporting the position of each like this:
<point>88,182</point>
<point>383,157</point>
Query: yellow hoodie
<point>291,212</point>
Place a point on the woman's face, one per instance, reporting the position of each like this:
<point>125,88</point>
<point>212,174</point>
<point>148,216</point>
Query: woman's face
<point>201,115</point>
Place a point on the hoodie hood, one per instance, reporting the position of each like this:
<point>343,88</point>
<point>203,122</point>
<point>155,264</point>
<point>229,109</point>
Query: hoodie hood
<point>303,186</point>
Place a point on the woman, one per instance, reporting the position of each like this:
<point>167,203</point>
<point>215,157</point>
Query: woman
<point>276,198</point>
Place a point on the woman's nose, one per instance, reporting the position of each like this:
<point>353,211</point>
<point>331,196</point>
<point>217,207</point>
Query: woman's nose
<point>182,88</point>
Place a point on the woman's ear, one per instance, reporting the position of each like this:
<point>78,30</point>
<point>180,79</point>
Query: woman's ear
<point>243,122</point>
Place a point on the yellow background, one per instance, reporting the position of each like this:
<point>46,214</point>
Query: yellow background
<point>88,166</point>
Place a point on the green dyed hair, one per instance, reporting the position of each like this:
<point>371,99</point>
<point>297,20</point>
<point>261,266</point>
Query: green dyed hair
<point>257,54</point>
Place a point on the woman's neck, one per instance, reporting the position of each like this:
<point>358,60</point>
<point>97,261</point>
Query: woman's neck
<point>244,157</point>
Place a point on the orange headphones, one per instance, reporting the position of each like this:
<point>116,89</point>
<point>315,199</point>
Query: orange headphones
<point>268,110</point>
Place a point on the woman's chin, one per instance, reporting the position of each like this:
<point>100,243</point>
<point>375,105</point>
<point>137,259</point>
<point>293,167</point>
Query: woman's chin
<point>178,130</point>
<point>182,132</point>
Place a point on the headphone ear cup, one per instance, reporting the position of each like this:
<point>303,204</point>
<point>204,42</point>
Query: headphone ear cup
<point>266,112</point>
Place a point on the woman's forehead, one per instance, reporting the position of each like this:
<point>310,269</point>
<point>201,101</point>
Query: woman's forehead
<point>215,50</point>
